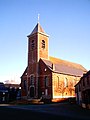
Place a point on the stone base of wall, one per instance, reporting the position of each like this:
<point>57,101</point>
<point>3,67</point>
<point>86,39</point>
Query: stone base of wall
<point>86,106</point>
<point>83,105</point>
<point>24,97</point>
<point>59,99</point>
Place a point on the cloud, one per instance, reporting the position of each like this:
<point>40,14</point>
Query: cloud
<point>10,79</point>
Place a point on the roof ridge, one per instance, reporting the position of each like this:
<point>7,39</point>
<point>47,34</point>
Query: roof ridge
<point>66,62</point>
<point>64,68</point>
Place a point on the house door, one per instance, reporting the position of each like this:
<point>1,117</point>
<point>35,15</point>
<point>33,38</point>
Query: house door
<point>32,92</point>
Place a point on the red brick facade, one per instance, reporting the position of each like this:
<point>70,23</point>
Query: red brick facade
<point>45,80</point>
<point>37,48</point>
<point>46,76</point>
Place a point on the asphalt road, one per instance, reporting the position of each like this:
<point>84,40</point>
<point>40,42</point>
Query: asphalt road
<point>59,111</point>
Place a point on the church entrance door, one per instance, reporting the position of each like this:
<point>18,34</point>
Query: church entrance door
<point>31,92</point>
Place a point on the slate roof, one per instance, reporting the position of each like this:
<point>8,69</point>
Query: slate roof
<point>64,67</point>
<point>38,29</point>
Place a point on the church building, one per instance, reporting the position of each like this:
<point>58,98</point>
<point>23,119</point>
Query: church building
<point>45,76</point>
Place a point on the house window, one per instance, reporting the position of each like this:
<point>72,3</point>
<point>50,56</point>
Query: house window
<point>79,87</point>
<point>87,80</point>
<point>83,82</point>
<point>46,81</point>
<point>43,44</point>
<point>32,80</point>
<point>32,44</point>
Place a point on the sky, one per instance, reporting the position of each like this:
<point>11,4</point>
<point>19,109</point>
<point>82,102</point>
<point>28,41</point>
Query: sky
<point>67,22</point>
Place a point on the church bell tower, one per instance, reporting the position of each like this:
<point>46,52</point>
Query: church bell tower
<point>37,48</point>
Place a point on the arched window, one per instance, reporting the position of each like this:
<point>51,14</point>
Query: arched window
<point>66,82</point>
<point>83,82</point>
<point>43,44</point>
<point>46,81</point>
<point>32,44</point>
<point>24,84</point>
<point>32,80</point>
<point>58,81</point>
<point>88,81</point>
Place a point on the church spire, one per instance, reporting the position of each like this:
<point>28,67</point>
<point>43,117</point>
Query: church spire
<point>38,29</point>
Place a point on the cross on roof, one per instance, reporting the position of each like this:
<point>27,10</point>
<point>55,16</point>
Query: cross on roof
<point>38,17</point>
